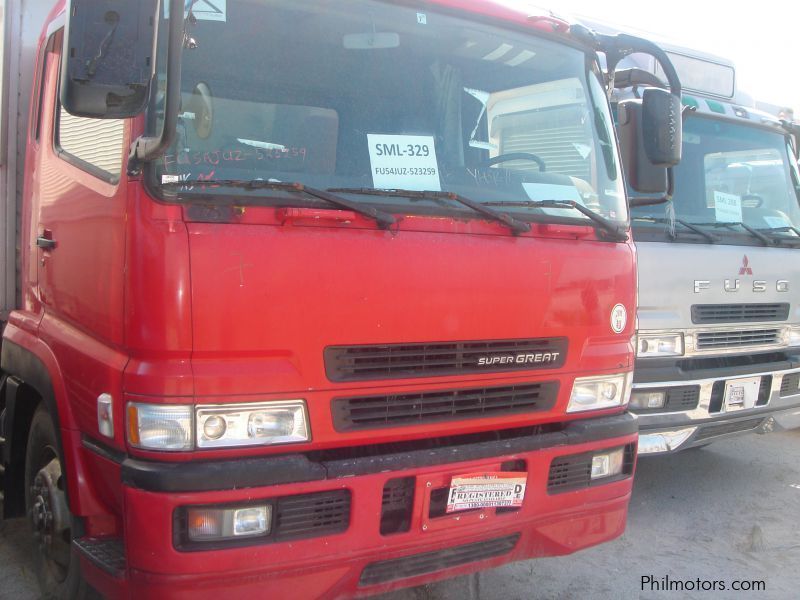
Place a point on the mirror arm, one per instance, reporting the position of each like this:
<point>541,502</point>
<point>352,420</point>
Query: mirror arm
<point>145,148</point>
<point>616,47</point>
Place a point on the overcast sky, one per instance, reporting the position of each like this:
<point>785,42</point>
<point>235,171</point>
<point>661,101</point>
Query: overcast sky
<point>762,38</point>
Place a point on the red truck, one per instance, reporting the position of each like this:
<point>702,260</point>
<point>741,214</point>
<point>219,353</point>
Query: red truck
<point>312,299</point>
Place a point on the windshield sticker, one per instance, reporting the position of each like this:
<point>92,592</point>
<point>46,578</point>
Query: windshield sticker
<point>422,18</point>
<point>404,162</point>
<point>553,191</point>
<point>777,222</point>
<point>583,149</point>
<point>727,208</point>
<point>205,10</point>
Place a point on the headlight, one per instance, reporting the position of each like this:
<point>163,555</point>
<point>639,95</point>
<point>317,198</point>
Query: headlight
<point>160,426</point>
<point>230,425</point>
<point>659,345</point>
<point>793,338</point>
<point>595,393</point>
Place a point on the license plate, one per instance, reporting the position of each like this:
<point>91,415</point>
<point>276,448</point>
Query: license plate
<point>486,490</point>
<point>741,394</point>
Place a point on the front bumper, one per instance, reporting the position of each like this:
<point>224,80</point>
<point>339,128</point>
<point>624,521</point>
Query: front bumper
<point>360,560</point>
<point>665,431</point>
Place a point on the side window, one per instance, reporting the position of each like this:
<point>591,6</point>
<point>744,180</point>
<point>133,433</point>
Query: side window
<point>94,145</point>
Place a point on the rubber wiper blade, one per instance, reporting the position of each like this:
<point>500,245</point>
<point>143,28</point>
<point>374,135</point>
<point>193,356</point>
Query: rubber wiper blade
<point>754,232</point>
<point>613,232</point>
<point>689,226</point>
<point>779,239</point>
<point>384,219</point>
<point>515,225</point>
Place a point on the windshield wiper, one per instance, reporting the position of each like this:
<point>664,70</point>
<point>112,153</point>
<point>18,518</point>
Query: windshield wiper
<point>689,226</point>
<point>515,225</point>
<point>384,219</point>
<point>754,232</point>
<point>613,232</point>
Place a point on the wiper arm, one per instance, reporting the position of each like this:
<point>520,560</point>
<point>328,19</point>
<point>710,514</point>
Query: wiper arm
<point>613,232</point>
<point>515,225</point>
<point>384,219</point>
<point>689,226</point>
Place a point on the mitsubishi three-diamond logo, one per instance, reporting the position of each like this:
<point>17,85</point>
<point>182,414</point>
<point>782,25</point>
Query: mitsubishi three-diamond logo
<point>745,269</point>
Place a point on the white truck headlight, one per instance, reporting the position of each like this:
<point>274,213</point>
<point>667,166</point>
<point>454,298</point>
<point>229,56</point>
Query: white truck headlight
<point>262,424</point>
<point>595,393</point>
<point>651,346</point>
<point>793,336</point>
<point>160,426</point>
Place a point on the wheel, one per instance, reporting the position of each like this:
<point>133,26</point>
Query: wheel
<point>56,563</point>
<point>516,156</point>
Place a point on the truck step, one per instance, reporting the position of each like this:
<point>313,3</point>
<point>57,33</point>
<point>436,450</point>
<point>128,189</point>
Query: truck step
<point>106,553</point>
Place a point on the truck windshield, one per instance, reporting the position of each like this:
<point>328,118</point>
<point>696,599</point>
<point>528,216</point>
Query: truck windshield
<point>733,180</point>
<point>363,95</point>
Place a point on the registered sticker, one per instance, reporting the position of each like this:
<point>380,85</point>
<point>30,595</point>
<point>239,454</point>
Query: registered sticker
<point>404,162</point>
<point>486,490</point>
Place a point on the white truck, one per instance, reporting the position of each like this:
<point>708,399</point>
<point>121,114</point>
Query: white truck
<point>718,350</point>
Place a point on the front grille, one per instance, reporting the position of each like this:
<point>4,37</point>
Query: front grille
<point>293,517</point>
<point>737,339</point>
<point>392,410</point>
<point>790,385</point>
<point>312,515</point>
<point>359,363</point>
<point>739,313</point>
<point>725,428</point>
<point>397,503</point>
<point>430,562</point>
<point>574,472</point>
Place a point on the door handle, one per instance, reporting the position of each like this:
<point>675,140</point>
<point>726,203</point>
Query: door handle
<point>46,243</point>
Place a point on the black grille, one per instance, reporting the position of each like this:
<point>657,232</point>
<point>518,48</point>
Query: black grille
<point>725,428</point>
<point>790,385</point>
<point>764,390</point>
<point>312,515</point>
<point>370,412</point>
<point>737,339</point>
<point>358,363</point>
<point>574,472</point>
<point>739,313</point>
<point>430,562</point>
<point>396,505</point>
<point>293,517</point>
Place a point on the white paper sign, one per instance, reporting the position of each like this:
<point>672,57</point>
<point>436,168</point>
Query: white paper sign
<point>727,207</point>
<point>205,10</point>
<point>406,162</point>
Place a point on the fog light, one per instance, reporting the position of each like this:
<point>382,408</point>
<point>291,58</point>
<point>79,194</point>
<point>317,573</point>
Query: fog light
<point>250,521</point>
<point>215,524</point>
<point>214,427</point>
<point>608,464</point>
<point>648,400</point>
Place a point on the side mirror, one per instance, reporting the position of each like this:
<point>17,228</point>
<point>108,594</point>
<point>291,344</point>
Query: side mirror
<point>650,136</point>
<point>108,61</point>
<point>662,127</point>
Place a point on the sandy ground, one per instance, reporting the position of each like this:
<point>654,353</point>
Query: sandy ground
<point>728,512</point>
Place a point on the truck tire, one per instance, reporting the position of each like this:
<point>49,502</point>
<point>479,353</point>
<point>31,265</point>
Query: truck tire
<point>56,562</point>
